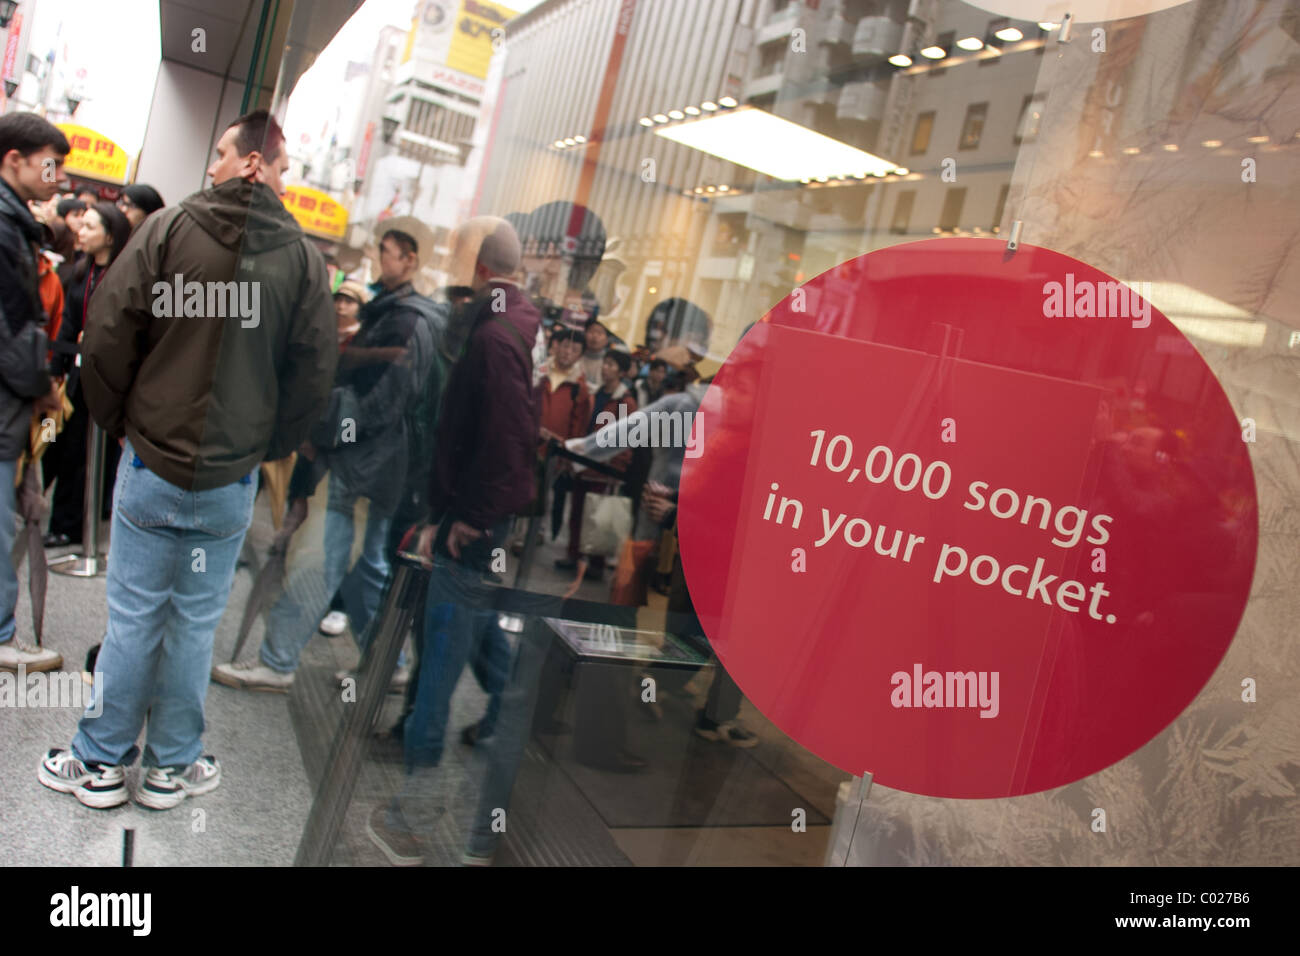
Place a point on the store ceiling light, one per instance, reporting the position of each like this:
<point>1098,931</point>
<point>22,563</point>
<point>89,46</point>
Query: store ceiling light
<point>1009,34</point>
<point>727,101</point>
<point>1130,150</point>
<point>708,106</point>
<point>970,43</point>
<point>1257,139</point>
<point>676,114</point>
<point>559,144</point>
<point>660,118</point>
<point>934,53</point>
<point>776,147</point>
<point>646,121</point>
<point>692,111</point>
<point>1170,147</point>
<point>1048,25</point>
<point>580,139</point>
<point>900,59</point>
<point>570,141</point>
<point>1212,143</point>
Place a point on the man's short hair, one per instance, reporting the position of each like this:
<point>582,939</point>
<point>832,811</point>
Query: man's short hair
<point>404,240</point>
<point>595,321</point>
<point>29,133</point>
<point>87,191</point>
<point>658,363</point>
<point>258,132</point>
<point>67,206</point>
<point>622,359</point>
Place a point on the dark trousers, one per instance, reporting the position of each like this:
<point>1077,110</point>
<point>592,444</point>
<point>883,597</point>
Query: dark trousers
<point>64,466</point>
<point>724,696</point>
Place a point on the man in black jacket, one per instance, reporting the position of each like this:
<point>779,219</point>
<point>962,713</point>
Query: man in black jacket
<point>31,165</point>
<point>210,346</point>
<point>364,441</point>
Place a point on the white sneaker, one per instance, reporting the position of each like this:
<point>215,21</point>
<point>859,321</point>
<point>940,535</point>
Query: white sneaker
<point>334,623</point>
<point>33,659</point>
<point>164,787</point>
<point>252,676</point>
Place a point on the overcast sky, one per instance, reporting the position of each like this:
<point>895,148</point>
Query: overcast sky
<point>117,44</point>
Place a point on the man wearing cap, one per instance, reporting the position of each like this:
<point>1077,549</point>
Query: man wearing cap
<point>364,439</point>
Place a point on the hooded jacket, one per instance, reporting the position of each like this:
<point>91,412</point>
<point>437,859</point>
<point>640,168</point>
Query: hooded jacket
<point>208,376</point>
<point>23,374</point>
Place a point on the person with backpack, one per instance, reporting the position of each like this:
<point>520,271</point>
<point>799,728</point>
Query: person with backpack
<point>31,161</point>
<point>363,438</point>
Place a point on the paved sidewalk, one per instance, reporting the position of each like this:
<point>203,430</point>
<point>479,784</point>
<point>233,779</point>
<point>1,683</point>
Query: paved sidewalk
<point>254,818</point>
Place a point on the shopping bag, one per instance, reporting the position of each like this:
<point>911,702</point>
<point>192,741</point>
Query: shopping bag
<point>606,522</point>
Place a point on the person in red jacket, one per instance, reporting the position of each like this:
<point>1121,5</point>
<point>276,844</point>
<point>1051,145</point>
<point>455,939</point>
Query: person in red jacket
<point>612,394</point>
<point>563,395</point>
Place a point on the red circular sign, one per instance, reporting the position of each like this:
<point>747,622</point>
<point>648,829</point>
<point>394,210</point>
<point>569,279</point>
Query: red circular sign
<point>976,522</point>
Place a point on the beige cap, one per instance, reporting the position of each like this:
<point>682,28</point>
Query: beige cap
<point>354,290</point>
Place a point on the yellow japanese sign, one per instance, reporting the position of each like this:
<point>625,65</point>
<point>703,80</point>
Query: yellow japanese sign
<point>318,213</point>
<point>472,38</point>
<point>95,156</point>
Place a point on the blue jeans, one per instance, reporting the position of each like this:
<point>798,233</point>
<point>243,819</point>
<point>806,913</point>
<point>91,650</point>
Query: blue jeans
<point>171,561</point>
<point>296,615</point>
<point>457,622</point>
<point>504,750</point>
<point>8,576</point>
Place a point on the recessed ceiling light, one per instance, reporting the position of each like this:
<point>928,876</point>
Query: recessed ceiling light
<point>692,111</point>
<point>711,189</point>
<point>723,189</point>
<point>1212,143</point>
<point>559,144</point>
<point>970,43</point>
<point>1257,139</point>
<point>901,171</point>
<point>709,105</point>
<point>570,141</point>
<point>934,53</point>
<point>859,175</point>
<point>676,114</point>
<point>580,139</point>
<point>1170,147</point>
<point>1048,25</point>
<point>1130,150</point>
<point>900,59</point>
<point>727,101</point>
<point>646,121</point>
<point>660,118</point>
<point>1009,34</point>
<point>1096,153</point>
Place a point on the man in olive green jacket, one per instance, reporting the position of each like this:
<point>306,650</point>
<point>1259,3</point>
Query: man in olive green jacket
<point>209,347</point>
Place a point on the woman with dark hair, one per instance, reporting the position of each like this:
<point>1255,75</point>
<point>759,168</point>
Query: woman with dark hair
<point>138,202</point>
<point>104,231</point>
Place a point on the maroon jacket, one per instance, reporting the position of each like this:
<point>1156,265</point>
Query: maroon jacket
<point>487,431</point>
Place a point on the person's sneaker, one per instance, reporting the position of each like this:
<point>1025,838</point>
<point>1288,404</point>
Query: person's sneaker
<point>393,838</point>
<point>33,659</point>
<point>730,732</point>
<point>334,623</point>
<point>94,784</point>
<point>252,676</point>
<point>164,787</point>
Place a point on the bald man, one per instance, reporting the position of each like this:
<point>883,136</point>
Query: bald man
<point>482,472</point>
